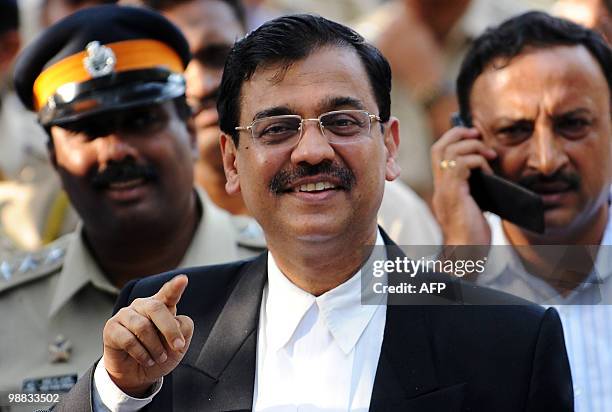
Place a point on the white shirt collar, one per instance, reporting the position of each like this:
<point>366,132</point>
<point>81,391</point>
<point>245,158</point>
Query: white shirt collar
<point>286,304</point>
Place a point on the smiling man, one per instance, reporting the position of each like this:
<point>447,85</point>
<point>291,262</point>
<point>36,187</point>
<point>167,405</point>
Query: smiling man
<point>211,27</point>
<point>536,90</point>
<point>108,87</point>
<point>309,141</point>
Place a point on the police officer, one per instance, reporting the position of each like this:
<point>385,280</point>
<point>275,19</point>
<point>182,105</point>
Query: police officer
<point>108,88</point>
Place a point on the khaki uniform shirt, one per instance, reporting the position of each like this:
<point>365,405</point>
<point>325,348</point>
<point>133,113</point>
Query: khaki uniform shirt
<point>55,302</point>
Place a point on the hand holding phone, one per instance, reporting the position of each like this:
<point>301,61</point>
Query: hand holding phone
<point>453,157</point>
<point>465,186</point>
<point>506,199</point>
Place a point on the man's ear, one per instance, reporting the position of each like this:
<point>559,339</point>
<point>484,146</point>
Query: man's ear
<point>392,140</point>
<point>229,153</point>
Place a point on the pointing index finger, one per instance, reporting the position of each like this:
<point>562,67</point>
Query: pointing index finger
<point>171,292</point>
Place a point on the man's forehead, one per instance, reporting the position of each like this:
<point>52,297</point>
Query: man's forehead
<point>553,62</point>
<point>559,71</point>
<point>323,79</point>
<point>326,104</point>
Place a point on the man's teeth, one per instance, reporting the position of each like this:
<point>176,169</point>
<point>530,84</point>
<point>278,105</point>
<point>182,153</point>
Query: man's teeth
<point>312,187</point>
<point>126,184</point>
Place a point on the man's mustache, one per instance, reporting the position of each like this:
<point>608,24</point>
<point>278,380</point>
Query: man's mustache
<point>122,172</point>
<point>284,179</point>
<point>532,182</point>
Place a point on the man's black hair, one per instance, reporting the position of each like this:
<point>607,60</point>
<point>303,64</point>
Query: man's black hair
<point>285,40</point>
<point>9,16</point>
<point>163,5</point>
<point>531,29</point>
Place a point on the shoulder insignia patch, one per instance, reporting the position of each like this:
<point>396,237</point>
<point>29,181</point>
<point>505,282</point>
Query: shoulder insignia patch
<point>22,267</point>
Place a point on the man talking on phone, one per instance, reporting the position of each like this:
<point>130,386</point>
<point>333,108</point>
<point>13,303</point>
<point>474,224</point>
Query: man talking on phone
<point>309,141</point>
<point>535,93</point>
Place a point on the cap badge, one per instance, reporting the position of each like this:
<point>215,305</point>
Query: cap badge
<point>100,59</point>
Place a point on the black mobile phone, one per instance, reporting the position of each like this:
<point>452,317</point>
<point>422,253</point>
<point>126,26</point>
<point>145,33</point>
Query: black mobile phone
<point>506,199</point>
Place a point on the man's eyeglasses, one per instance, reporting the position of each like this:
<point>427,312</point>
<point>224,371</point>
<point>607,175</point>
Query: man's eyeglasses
<point>341,126</point>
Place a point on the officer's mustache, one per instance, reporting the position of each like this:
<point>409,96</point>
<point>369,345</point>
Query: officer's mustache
<point>122,172</point>
<point>283,180</point>
<point>570,181</point>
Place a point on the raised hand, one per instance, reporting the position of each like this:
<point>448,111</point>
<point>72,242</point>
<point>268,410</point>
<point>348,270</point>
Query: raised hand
<point>147,340</point>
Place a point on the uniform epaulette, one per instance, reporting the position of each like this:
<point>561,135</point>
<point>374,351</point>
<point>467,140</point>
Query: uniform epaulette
<point>23,267</point>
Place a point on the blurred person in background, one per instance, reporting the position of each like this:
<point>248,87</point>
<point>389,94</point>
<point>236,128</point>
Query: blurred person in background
<point>425,41</point>
<point>10,41</point>
<point>594,14</point>
<point>9,37</point>
<point>258,12</point>
<point>122,140</point>
<point>211,27</point>
<point>344,11</point>
<point>534,95</point>
<point>53,11</point>
<point>33,209</point>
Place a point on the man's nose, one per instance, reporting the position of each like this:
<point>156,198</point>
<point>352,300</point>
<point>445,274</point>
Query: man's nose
<point>114,148</point>
<point>547,152</point>
<point>313,147</point>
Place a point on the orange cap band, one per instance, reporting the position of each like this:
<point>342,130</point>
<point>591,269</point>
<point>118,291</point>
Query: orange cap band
<point>129,54</point>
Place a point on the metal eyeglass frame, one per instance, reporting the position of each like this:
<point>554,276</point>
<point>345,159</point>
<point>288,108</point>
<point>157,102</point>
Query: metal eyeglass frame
<point>249,128</point>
